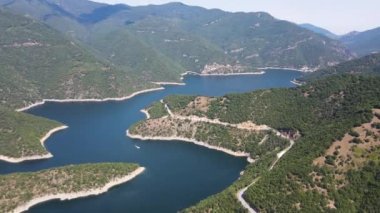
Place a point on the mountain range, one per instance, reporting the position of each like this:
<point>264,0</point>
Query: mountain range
<point>363,43</point>
<point>165,40</point>
<point>359,43</point>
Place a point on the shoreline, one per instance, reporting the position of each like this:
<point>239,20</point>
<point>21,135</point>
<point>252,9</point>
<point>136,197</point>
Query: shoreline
<point>146,113</point>
<point>73,100</point>
<point>303,70</point>
<point>222,74</point>
<point>35,157</point>
<point>81,194</point>
<point>89,100</point>
<point>296,83</point>
<point>199,143</point>
<point>169,83</point>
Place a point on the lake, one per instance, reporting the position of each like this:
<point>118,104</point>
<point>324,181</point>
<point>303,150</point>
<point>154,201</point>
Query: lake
<point>177,175</point>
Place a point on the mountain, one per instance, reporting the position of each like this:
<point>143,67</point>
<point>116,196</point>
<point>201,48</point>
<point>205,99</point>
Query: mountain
<point>176,37</point>
<point>38,62</point>
<point>54,49</point>
<point>363,43</point>
<point>367,65</point>
<point>320,30</point>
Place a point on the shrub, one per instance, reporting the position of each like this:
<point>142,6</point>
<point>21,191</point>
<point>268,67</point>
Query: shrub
<point>356,141</point>
<point>330,160</point>
<point>353,133</point>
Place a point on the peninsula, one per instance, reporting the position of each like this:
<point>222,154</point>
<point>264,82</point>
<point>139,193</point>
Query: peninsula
<point>20,191</point>
<point>23,136</point>
<point>285,132</point>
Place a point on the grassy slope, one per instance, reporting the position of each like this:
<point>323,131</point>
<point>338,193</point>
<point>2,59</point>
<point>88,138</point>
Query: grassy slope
<point>19,188</point>
<point>20,133</point>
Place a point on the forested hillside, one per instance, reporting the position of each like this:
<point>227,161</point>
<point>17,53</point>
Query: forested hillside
<point>20,133</point>
<point>322,111</point>
<point>37,62</point>
<point>363,43</point>
<point>19,189</point>
<point>367,65</point>
<point>176,37</point>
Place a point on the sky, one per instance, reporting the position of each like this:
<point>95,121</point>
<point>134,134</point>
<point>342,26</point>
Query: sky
<point>338,16</point>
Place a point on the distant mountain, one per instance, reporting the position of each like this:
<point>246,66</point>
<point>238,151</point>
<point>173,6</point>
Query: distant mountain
<point>363,43</point>
<point>319,30</point>
<point>367,65</point>
<point>173,38</point>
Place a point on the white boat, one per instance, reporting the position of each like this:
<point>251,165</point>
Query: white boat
<point>137,147</point>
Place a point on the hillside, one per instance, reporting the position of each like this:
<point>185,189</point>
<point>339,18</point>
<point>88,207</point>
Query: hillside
<point>21,134</point>
<point>178,37</point>
<point>20,191</point>
<point>320,30</point>
<point>322,111</point>
<point>363,43</point>
<point>367,65</point>
<point>37,62</point>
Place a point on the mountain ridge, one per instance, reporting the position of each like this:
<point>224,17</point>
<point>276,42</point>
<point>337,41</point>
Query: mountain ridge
<point>261,39</point>
<point>320,30</point>
<point>363,43</point>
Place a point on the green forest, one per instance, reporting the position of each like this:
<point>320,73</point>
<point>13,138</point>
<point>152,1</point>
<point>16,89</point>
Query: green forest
<point>18,188</point>
<point>322,111</point>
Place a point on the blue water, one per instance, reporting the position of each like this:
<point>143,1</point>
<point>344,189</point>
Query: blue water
<point>177,174</point>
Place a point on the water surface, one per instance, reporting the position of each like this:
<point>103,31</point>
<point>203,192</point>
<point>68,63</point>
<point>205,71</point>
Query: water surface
<point>177,175</point>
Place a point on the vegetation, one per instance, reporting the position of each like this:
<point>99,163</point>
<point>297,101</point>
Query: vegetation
<point>157,110</point>
<point>99,51</point>
<point>20,133</point>
<point>226,201</point>
<point>368,65</point>
<point>363,43</point>
<point>158,42</point>
<point>232,138</point>
<point>37,62</point>
<point>322,111</point>
<point>19,188</point>
<point>177,102</point>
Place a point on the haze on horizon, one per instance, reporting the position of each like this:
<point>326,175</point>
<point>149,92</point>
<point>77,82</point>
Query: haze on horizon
<point>339,16</point>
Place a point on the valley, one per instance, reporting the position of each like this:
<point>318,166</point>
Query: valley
<point>278,116</point>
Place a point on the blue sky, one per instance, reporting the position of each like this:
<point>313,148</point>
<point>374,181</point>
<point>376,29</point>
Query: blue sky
<point>338,16</point>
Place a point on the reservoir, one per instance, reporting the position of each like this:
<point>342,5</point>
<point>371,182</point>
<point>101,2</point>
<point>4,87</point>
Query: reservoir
<point>177,175</point>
